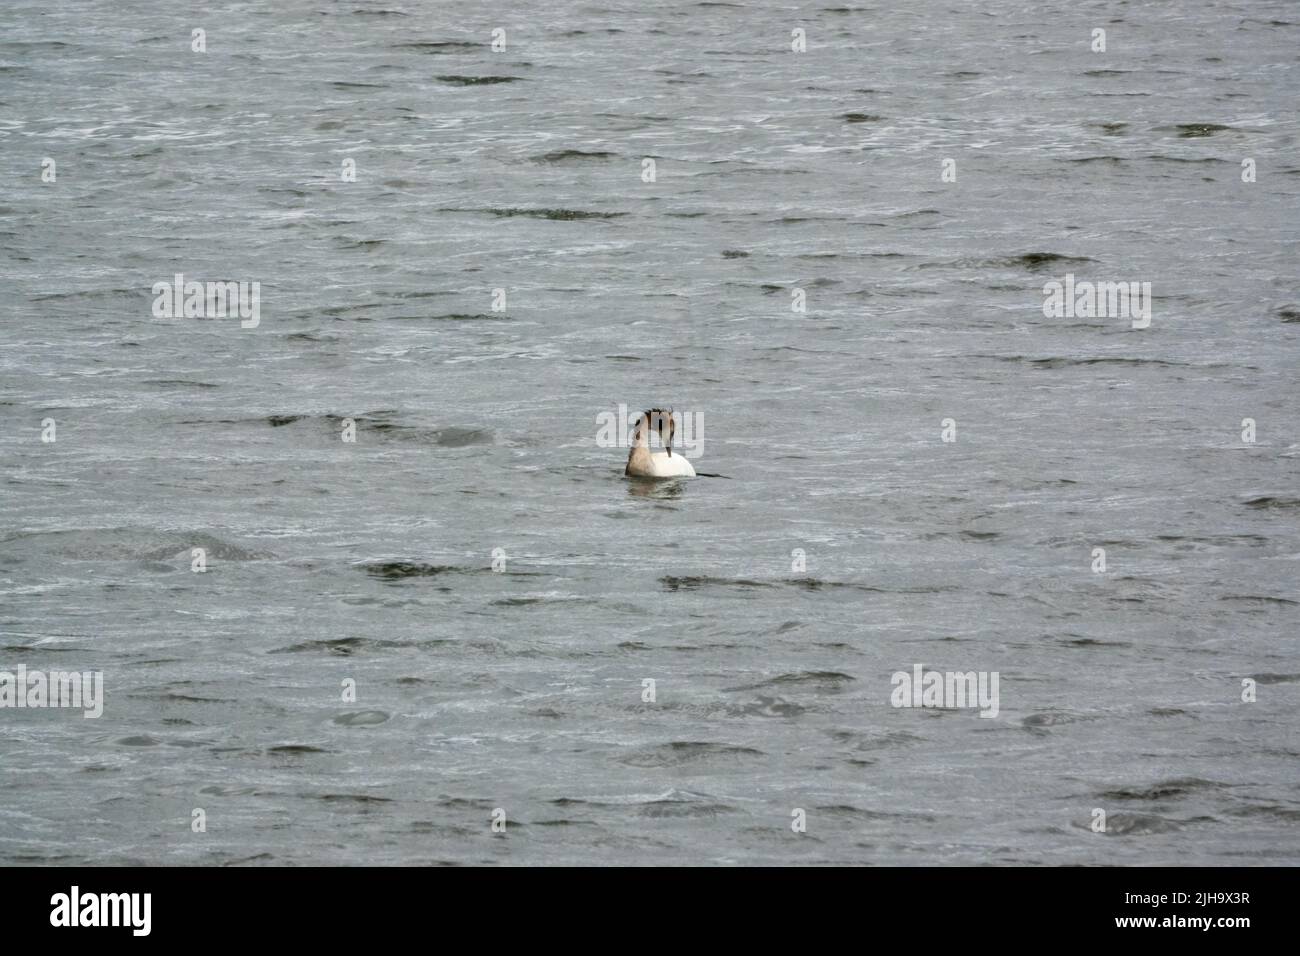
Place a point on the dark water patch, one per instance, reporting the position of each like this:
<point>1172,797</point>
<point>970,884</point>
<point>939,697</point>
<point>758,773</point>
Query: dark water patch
<point>1194,130</point>
<point>734,254</point>
<point>438,46</point>
<point>180,698</point>
<point>529,601</point>
<point>399,570</point>
<point>860,741</point>
<point>1221,540</point>
<point>697,581</point>
<point>1042,722</point>
<point>1037,261</point>
<point>861,118</point>
<point>448,436</point>
<point>471,317</point>
<point>819,584</point>
<point>574,155</point>
<point>1277,678</point>
<point>862,813</point>
<point>681,752</point>
<point>1259,599</point>
<point>454,317</point>
<point>456,437</point>
<point>86,294</point>
<point>215,548</point>
<point>916,214</point>
<point>1112,129</point>
<point>1098,159</point>
<point>356,308</point>
<point>228,790</point>
<point>363,718</point>
<point>296,750</point>
<point>677,809</point>
<point>1139,824</point>
<point>346,85</point>
<point>1186,159</point>
<point>178,383</point>
<point>1164,790</point>
<point>1268,810</point>
<point>768,707</point>
<point>362,798</point>
<point>563,823</point>
<point>422,294</point>
<point>855,255</point>
<point>339,646</point>
<point>1268,503</point>
<point>1093,642</point>
<point>1288,314</point>
<point>546,713</point>
<point>558,215</point>
<point>279,421</point>
<point>1057,361</point>
<point>822,681</point>
<point>476,80</point>
<point>464,803</point>
<point>1167,712</point>
<point>684,77</point>
<point>35,46</point>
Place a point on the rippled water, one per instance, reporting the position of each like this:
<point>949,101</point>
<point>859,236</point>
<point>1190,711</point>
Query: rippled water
<point>476,430</point>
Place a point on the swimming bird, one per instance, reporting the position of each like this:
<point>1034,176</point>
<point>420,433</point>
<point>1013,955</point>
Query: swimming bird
<point>642,463</point>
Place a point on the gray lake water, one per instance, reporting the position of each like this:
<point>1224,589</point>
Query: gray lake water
<point>476,430</point>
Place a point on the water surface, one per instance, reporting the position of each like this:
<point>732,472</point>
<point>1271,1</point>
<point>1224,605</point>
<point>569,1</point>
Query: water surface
<point>476,430</point>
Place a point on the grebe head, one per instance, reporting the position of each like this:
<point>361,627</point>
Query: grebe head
<point>660,419</point>
<point>653,418</point>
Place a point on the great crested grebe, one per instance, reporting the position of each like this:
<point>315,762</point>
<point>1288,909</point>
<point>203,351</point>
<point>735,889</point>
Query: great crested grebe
<point>642,463</point>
